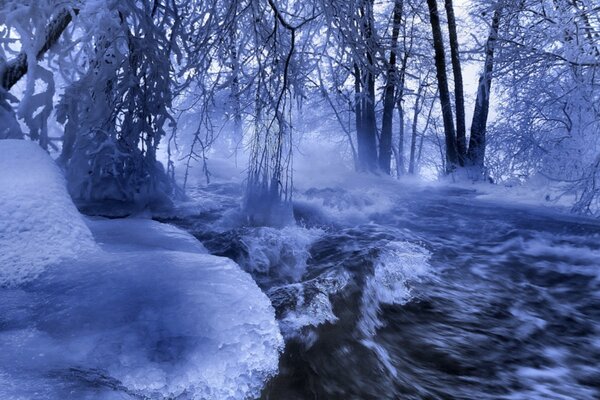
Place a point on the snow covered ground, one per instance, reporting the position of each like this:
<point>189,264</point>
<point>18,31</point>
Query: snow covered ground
<point>117,309</point>
<point>39,225</point>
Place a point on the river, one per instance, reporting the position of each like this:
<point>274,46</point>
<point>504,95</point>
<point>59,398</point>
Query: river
<point>419,293</point>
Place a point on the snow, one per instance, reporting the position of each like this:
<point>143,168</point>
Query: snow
<point>141,234</point>
<point>142,313</point>
<point>39,225</point>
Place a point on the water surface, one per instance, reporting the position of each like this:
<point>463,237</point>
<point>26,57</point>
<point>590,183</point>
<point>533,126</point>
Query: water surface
<point>430,294</point>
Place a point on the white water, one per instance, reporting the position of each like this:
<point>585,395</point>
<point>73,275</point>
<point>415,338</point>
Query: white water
<point>425,293</point>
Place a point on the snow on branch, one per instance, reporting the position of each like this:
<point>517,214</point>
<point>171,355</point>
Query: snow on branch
<point>16,68</point>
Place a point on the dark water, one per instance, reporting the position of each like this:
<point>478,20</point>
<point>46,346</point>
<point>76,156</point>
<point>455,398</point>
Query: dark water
<point>436,295</point>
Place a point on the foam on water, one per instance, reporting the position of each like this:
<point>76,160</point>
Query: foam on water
<point>514,317</point>
<point>550,382</point>
<point>281,253</point>
<point>307,304</point>
<point>399,265</point>
<point>341,206</point>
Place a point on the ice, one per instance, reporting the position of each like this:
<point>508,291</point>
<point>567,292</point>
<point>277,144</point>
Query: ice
<point>142,234</point>
<point>144,314</point>
<point>39,225</point>
<point>159,323</point>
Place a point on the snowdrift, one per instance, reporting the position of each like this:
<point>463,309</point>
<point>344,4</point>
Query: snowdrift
<point>118,309</point>
<point>39,225</point>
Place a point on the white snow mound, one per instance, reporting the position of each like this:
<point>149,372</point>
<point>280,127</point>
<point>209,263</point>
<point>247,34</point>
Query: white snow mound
<point>145,313</point>
<point>39,225</point>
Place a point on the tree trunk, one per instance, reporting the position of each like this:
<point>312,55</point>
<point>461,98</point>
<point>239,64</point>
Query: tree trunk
<point>400,164</point>
<point>413,142</point>
<point>459,96</point>
<point>385,142</point>
<point>427,122</point>
<point>367,134</point>
<point>477,142</point>
<point>369,122</point>
<point>442,78</point>
<point>360,141</point>
<point>16,68</point>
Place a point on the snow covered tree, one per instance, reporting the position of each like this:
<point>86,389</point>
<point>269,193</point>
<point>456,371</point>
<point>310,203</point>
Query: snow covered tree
<point>276,50</point>
<point>549,61</point>
<point>116,113</point>
<point>39,26</point>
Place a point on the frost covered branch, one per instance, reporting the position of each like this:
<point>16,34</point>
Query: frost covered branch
<point>16,68</point>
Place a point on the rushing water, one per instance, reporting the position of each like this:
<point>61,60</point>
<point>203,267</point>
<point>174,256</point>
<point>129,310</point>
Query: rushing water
<point>435,295</point>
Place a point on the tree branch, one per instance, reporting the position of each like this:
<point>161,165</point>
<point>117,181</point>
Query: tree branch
<point>16,68</point>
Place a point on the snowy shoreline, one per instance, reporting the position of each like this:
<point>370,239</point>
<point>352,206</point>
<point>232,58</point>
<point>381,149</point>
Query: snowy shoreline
<point>131,307</point>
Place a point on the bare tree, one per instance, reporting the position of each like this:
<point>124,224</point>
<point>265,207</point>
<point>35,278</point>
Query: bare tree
<point>477,142</point>
<point>385,143</point>
<point>459,96</point>
<point>442,78</point>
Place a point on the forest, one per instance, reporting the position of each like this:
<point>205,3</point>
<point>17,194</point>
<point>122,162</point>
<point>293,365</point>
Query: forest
<point>284,199</point>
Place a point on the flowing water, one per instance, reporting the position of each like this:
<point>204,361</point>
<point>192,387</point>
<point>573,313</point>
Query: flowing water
<point>433,295</point>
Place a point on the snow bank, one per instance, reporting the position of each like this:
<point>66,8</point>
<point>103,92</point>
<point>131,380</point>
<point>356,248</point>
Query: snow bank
<point>145,314</point>
<point>134,234</point>
<point>39,225</point>
<point>150,324</point>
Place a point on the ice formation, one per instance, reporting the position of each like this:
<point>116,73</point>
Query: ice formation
<point>144,314</point>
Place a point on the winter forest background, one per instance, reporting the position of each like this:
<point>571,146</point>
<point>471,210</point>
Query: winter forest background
<point>299,199</point>
<point>505,91</point>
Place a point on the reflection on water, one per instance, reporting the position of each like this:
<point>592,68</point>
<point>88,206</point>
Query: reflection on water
<point>434,294</point>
